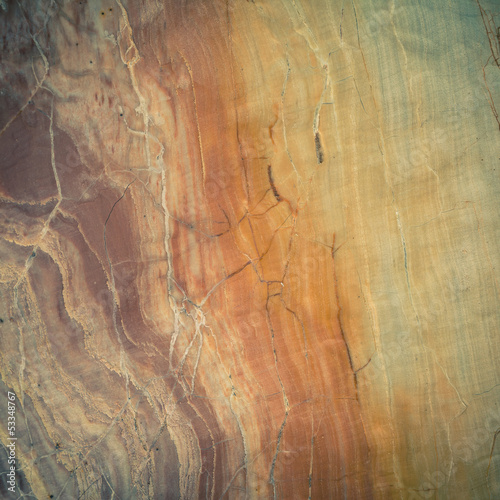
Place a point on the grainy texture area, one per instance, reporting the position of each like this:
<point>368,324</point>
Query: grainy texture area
<point>250,249</point>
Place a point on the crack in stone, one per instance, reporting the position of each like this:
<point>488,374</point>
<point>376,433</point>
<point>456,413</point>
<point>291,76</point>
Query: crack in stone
<point>115,295</point>
<point>317,111</point>
<point>283,92</point>
<point>278,442</point>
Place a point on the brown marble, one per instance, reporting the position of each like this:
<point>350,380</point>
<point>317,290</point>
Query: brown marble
<point>250,249</point>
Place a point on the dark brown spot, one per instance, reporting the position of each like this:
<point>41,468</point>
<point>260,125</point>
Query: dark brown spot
<point>319,148</point>
<point>271,181</point>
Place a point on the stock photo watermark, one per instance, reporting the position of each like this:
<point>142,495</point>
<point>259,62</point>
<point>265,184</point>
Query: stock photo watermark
<point>11,439</point>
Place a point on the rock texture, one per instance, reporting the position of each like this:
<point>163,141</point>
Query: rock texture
<point>249,249</point>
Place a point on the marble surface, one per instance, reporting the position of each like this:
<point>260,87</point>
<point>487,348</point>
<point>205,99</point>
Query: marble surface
<point>250,249</point>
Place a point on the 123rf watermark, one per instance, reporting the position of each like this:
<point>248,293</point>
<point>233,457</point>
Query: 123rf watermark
<point>11,446</point>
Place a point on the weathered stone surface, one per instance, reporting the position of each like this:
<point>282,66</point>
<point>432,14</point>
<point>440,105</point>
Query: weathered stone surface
<point>250,249</point>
